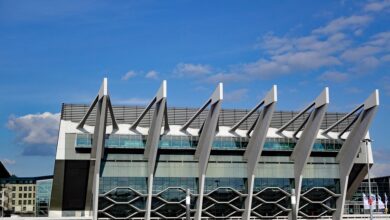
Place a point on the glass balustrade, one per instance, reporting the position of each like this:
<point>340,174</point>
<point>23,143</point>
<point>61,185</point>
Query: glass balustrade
<point>190,142</point>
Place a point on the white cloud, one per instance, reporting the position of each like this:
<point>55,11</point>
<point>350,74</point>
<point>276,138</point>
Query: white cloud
<point>203,73</point>
<point>353,22</point>
<point>369,55</point>
<point>297,54</point>
<point>381,39</point>
<point>381,165</point>
<point>366,65</point>
<point>358,53</point>
<point>377,6</point>
<point>358,32</point>
<point>188,69</point>
<point>152,74</point>
<point>287,55</point>
<point>132,101</point>
<point>380,170</point>
<point>326,47</point>
<point>36,128</point>
<point>333,76</point>
<point>280,45</point>
<point>236,95</point>
<point>386,58</point>
<point>8,161</point>
<point>353,90</point>
<point>224,77</point>
<point>129,74</point>
<point>290,62</point>
<point>385,82</point>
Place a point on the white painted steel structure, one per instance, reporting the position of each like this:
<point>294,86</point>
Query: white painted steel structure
<point>306,134</point>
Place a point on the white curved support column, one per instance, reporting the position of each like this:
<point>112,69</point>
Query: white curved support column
<point>306,140</point>
<point>206,139</point>
<point>351,146</point>
<point>152,141</point>
<point>103,104</point>
<point>256,143</point>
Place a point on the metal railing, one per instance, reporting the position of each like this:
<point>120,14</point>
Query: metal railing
<point>361,217</point>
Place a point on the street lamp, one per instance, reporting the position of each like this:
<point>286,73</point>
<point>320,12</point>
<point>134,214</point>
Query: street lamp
<point>188,203</point>
<point>366,141</point>
<point>293,204</point>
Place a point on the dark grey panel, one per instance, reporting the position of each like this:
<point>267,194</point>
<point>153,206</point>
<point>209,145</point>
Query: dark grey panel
<point>178,116</point>
<point>58,185</point>
<point>75,184</point>
<point>357,175</point>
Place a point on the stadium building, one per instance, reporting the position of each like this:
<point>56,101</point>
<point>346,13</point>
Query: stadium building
<point>380,187</point>
<point>138,162</point>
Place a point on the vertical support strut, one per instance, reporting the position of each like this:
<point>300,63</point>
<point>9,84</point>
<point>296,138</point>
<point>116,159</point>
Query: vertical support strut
<point>351,146</point>
<point>206,139</point>
<point>152,143</point>
<point>256,143</point>
<point>102,104</point>
<point>151,147</point>
<point>306,140</point>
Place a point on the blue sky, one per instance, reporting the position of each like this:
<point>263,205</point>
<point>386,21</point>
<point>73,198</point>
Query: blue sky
<point>58,51</point>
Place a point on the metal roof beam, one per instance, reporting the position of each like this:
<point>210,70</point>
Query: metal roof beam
<point>327,130</point>
<point>351,146</point>
<point>161,93</point>
<point>256,144</point>
<point>206,139</point>
<point>103,104</point>
<point>152,141</point>
<point>103,92</point>
<point>305,142</point>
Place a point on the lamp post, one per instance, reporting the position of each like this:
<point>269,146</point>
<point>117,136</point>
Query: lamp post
<point>188,203</point>
<point>366,141</point>
<point>293,204</point>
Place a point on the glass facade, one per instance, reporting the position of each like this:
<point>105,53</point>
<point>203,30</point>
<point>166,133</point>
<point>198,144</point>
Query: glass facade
<point>162,183</point>
<point>113,141</point>
<point>124,195</point>
<point>331,184</point>
<point>283,183</point>
<point>239,184</point>
<point>139,184</point>
<point>43,194</point>
<point>379,186</point>
<point>223,197</point>
<point>190,142</point>
<point>319,196</point>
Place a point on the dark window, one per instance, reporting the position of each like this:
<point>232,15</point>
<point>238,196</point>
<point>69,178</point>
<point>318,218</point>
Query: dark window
<point>75,191</point>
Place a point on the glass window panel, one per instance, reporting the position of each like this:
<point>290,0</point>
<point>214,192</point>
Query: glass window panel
<point>83,140</point>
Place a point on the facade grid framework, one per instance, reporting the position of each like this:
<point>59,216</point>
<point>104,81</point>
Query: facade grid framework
<point>138,162</point>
